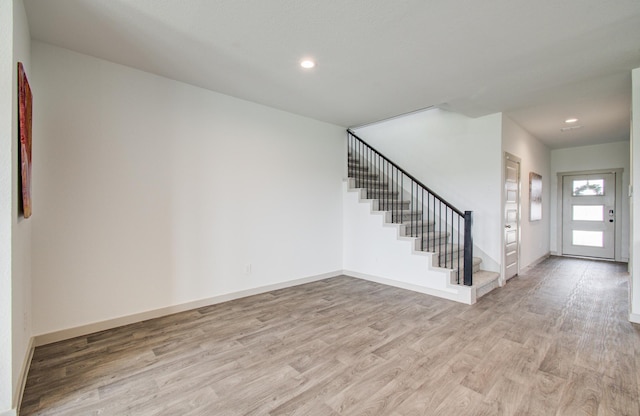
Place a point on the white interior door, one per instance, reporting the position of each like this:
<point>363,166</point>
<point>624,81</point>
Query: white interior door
<point>588,215</point>
<point>511,216</point>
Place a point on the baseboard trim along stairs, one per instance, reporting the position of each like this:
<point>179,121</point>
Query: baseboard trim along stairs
<point>381,242</point>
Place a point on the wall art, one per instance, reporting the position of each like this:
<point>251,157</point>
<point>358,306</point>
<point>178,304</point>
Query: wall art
<point>25,100</point>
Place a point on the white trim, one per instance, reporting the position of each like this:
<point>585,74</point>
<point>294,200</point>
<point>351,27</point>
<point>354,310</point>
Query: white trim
<point>68,333</point>
<point>24,371</point>
<point>618,172</point>
<point>384,120</point>
<point>503,268</point>
<point>635,318</point>
<point>466,294</point>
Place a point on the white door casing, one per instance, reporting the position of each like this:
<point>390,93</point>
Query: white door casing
<point>589,215</point>
<point>511,216</point>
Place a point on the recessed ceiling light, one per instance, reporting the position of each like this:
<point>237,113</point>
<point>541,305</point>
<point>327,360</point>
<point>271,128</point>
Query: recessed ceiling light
<point>571,120</point>
<point>307,64</point>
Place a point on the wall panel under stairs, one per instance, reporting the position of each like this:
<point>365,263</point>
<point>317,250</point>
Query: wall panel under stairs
<point>373,250</point>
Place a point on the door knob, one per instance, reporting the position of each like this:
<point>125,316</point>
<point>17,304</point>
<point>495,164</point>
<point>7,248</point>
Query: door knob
<point>507,226</point>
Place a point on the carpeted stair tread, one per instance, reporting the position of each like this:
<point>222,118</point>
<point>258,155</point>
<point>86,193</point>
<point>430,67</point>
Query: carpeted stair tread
<point>485,281</point>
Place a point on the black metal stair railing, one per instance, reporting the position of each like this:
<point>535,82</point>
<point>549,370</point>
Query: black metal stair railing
<point>438,225</point>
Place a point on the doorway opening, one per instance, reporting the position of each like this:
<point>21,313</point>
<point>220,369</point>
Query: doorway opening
<point>511,232</point>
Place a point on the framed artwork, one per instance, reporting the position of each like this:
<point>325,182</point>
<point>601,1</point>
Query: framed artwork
<point>535,197</point>
<point>25,100</point>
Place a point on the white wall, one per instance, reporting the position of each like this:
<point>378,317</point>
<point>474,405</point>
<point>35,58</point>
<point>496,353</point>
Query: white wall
<point>635,206</point>
<point>534,157</point>
<point>21,228</point>
<point>6,202</point>
<point>153,193</point>
<point>585,158</point>
<point>458,158</point>
<point>15,232</point>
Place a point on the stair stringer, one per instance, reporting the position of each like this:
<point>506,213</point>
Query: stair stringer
<point>375,250</point>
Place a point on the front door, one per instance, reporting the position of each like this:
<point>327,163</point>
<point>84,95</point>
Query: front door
<point>511,216</point>
<point>588,215</point>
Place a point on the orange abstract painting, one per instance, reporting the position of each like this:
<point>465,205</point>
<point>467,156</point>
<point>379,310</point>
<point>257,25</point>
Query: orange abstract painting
<point>24,106</point>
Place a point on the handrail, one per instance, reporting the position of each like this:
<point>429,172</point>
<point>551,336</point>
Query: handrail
<point>395,165</point>
<point>410,202</point>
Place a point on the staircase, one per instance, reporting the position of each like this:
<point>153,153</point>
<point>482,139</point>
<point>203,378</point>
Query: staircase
<point>435,225</point>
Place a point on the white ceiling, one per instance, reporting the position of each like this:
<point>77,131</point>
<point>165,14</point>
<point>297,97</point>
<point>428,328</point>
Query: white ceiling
<point>539,61</point>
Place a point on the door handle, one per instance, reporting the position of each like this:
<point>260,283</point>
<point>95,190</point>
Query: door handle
<point>507,226</point>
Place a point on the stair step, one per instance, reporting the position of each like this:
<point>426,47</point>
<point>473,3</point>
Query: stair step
<point>409,226</point>
<point>357,168</point>
<point>368,181</point>
<point>480,279</point>
<point>448,250</point>
<point>373,193</point>
<point>454,276</point>
<point>372,185</point>
<point>392,205</point>
<point>428,234</point>
<point>485,281</point>
<point>435,243</point>
<point>405,215</point>
<point>453,264</point>
<point>362,175</point>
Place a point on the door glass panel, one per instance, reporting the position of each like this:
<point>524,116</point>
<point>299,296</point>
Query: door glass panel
<point>588,238</point>
<point>588,212</point>
<point>588,187</point>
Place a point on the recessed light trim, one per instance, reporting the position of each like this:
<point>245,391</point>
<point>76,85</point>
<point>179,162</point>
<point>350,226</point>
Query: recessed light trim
<point>571,120</point>
<point>307,63</point>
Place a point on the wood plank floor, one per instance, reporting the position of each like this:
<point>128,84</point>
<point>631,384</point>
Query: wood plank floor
<point>555,341</point>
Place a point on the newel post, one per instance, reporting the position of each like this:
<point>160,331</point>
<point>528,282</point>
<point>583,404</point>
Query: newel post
<point>468,249</point>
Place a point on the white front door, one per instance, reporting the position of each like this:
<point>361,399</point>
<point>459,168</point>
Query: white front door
<point>588,215</point>
<point>511,216</point>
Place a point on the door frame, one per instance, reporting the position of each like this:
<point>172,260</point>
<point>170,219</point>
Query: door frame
<point>618,209</point>
<point>515,158</point>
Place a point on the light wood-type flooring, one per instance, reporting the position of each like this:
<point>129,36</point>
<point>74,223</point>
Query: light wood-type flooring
<point>554,341</point>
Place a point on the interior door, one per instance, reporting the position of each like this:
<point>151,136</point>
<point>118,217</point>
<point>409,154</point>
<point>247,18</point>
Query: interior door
<point>511,216</point>
<point>588,215</point>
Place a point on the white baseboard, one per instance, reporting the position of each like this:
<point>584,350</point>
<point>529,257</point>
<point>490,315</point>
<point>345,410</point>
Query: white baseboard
<point>634,317</point>
<point>68,333</point>
<point>24,371</point>
<point>12,412</point>
<point>465,296</point>
<point>535,263</point>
